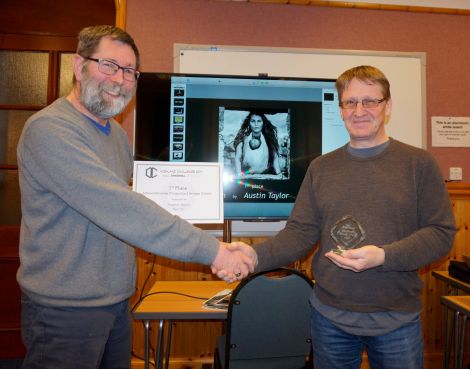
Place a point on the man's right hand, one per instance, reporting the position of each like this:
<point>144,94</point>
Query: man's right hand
<point>234,261</point>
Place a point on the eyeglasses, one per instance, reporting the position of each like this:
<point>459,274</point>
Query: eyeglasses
<point>366,103</point>
<point>110,68</point>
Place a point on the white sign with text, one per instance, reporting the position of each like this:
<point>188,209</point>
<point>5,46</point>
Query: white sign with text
<point>193,191</point>
<point>450,131</point>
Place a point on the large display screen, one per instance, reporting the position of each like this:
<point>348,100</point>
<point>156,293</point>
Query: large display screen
<point>265,131</point>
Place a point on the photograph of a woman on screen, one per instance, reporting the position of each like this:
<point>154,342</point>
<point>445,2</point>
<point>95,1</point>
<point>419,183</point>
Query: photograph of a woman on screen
<point>257,150</point>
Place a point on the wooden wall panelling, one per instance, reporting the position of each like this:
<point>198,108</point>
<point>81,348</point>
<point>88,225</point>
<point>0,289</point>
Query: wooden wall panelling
<point>381,5</point>
<point>433,311</point>
<point>42,25</point>
<point>191,339</point>
<point>193,342</point>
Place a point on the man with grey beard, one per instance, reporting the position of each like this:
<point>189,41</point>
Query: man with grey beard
<point>81,222</point>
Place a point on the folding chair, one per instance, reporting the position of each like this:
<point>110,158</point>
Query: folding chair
<point>268,323</point>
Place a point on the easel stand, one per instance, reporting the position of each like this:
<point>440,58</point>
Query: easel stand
<point>227,233</point>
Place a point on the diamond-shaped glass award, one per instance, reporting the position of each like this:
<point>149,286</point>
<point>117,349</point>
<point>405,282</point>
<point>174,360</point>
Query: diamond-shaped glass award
<point>347,233</point>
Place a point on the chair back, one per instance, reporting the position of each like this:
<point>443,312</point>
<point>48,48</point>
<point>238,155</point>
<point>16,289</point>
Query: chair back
<point>268,321</point>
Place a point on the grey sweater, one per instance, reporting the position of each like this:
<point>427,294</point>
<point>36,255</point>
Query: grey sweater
<point>79,215</point>
<point>400,199</point>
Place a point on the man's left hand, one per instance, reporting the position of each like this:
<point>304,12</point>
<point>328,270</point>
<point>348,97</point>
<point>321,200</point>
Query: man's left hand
<point>358,260</point>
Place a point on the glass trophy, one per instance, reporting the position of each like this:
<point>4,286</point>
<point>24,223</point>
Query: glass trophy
<point>347,233</point>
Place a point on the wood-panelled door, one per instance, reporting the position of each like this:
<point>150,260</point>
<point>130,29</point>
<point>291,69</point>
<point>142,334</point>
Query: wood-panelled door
<point>37,40</point>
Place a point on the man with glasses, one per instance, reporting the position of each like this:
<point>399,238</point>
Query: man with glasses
<point>379,210</point>
<point>80,217</point>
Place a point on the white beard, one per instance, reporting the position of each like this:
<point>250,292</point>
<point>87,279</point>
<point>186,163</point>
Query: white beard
<point>93,97</point>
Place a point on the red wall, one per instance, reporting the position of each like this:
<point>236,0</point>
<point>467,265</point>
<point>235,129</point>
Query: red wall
<point>157,24</point>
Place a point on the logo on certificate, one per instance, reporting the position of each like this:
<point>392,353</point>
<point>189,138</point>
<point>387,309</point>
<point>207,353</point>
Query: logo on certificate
<point>151,172</point>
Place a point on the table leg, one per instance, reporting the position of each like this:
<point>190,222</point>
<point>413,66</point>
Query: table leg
<point>168,344</point>
<point>462,340</point>
<point>158,354</point>
<point>456,338</point>
<point>448,334</point>
<point>147,338</point>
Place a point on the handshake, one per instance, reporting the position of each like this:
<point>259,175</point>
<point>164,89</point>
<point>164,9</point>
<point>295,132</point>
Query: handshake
<point>234,261</point>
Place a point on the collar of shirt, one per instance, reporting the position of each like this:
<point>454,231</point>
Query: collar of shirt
<point>368,151</point>
<point>106,129</point>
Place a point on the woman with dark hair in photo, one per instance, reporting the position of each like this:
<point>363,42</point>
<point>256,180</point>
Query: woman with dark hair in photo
<point>256,146</point>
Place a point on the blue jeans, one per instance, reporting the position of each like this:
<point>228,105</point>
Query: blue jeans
<point>335,349</point>
<point>76,338</point>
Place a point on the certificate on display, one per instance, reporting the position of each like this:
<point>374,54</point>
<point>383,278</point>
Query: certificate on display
<point>193,191</point>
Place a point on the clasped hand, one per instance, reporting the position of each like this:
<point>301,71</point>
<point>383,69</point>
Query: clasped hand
<point>234,261</point>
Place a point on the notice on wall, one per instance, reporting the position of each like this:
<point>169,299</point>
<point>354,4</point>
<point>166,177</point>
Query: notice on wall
<point>193,191</point>
<point>450,131</point>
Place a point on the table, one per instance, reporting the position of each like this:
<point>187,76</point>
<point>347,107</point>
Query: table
<point>458,305</point>
<point>164,303</point>
<point>454,283</point>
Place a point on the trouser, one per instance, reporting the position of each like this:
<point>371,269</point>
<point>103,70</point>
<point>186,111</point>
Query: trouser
<point>335,349</point>
<point>76,338</point>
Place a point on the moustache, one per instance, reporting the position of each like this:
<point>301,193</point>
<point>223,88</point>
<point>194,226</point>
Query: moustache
<point>114,90</point>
